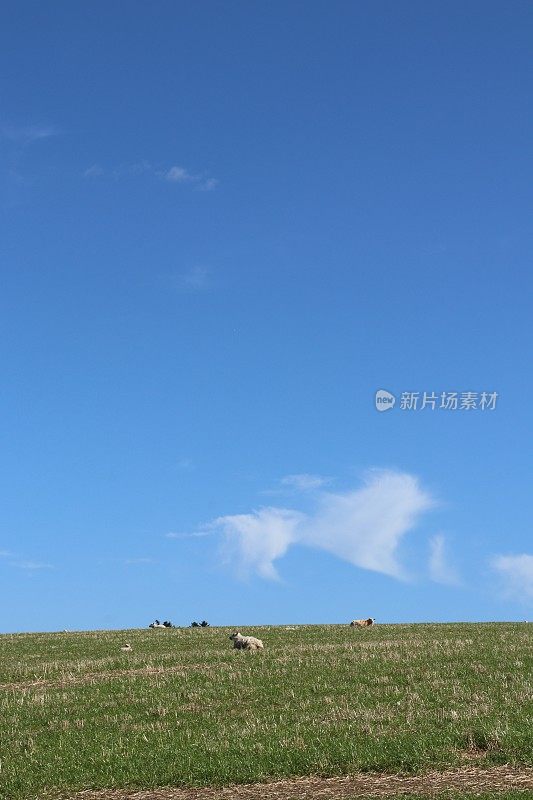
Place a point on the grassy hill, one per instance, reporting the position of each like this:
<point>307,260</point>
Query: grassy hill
<point>184,708</point>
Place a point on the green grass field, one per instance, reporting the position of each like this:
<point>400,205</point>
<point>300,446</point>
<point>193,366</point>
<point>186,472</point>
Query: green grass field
<point>185,709</point>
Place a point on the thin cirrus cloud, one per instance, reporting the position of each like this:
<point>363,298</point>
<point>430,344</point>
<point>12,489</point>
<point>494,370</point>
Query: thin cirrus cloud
<point>301,482</point>
<point>174,174</point>
<point>122,171</point>
<point>364,527</point>
<point>32,566</point>
<point>16,141</point>
<point>516,572</point>
<point>94,171</point>
<point>26,134</point>
<point>195,279</point>
<point>304,481</point>
<point>21,563</point>
<point>181,175</point>
<point>440,570</point>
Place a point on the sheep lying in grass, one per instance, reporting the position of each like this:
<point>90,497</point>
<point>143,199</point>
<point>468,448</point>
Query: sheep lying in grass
<point>126,648</point>
<point>362,623</point>
<point>241,642</point>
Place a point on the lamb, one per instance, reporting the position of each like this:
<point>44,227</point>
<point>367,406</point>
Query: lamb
<point>126,648</point>
<point>241,642</point>
<point>362,623</point>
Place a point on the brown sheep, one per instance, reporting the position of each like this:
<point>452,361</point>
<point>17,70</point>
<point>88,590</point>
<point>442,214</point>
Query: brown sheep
<point>362,623</point>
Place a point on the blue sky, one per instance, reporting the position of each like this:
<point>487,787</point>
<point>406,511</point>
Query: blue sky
<point>224,228</point>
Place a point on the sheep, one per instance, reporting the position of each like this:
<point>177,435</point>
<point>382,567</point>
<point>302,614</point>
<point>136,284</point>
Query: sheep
<point>157,624</point>
<point>241,642</point>
<point>126,648</point>
<point>362,623</point>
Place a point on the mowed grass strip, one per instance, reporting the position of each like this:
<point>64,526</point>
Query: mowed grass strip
<point>185,709</point>
<point>461,782</point>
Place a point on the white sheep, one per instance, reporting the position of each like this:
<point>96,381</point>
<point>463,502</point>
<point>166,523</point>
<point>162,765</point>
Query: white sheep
<point>126,648</point>
<point>241,642</point>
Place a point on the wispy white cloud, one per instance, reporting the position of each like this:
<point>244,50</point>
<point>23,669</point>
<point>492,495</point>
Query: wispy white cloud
<point>364,527</point>
<point>129,561</point>
<point>207,184</point>
<point>174,174</point>
<point>182,175</point>
<point>254,541</point>
<point>299,482</point>
<point>15,560</point>
<point>31,565</point>
<point>516,572</point>
<point>304,481</point>
<point>196,279</point>
<point>439,568</point>
<point>199,534</point>
<point>185,464</point>
<point>177,175</point>
<point>15,143</point>
<point>26,134</point>
<point>94,171</point>
<point>138,168</point>
<point>134,170</point>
